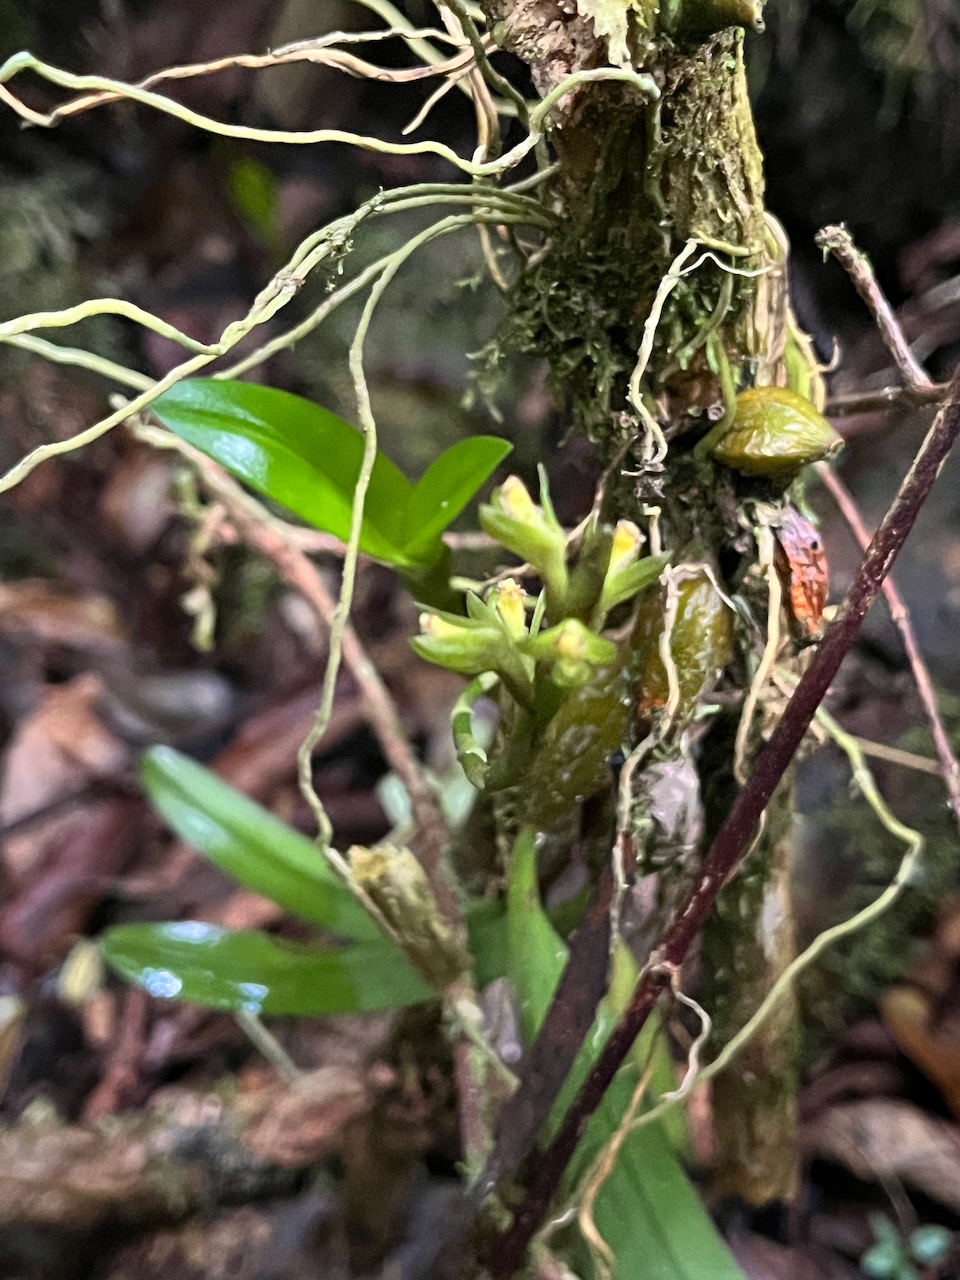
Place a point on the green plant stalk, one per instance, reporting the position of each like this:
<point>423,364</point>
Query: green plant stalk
<point>783,988</point>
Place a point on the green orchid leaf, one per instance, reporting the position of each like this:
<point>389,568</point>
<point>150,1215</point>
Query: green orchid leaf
<point>249,972</point>
<point>308,460</point>
<point>668,1233</point>
<point>294,452</point>
<point>647,1211</point>
<point>446,488</point>
<point>248,843</point>
<point>487,932</point>
<point>537,953</point>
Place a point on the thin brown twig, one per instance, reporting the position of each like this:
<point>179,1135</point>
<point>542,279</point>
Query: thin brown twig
<point>431,835</point>
<point>270,538</point>
<point>839,242</point>
<point>379,708</point>
<point>949,766</point>
<point>894,755</point>
<point>124,1058</point>
<point>884,398</point>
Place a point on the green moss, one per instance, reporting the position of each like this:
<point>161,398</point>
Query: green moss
<point>637,181</point>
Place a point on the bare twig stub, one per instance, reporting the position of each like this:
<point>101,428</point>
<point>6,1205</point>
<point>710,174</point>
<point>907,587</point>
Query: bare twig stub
<point>506,1253</point>
<point>919,388</point>
<point>839,242</point>
<point>884,398</point>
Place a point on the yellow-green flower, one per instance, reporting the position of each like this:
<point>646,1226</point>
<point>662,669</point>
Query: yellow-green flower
<point>572,650</point>
<point>508,600</point>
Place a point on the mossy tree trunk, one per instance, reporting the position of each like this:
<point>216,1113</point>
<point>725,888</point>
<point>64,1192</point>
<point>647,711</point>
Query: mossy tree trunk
<point>638,180</point>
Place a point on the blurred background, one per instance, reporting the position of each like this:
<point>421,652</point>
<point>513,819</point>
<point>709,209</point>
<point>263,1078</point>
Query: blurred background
<point>105,575</point>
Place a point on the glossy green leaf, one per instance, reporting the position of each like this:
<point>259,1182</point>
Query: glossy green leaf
<point>248,843</point>
<point>266,855</point>
<point>647,1210</point>
<point>537,953</point>
<point>308,460</point>
<point>249,972</point>
<point>445,489</point>
<point>292,451</point>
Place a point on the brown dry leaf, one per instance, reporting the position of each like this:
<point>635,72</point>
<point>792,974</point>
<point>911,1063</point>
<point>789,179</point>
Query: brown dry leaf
<point>763,1259</point>
<point>924,1016</point>
<point>75,867</point>
<point>53,754</point>
<point>259,757</point>
<point>57,749</point>
<point>938,969</point>
<point>907,1013</point>
<point>135,502</point>
<point>49,614</point>
<point>881,1138</point>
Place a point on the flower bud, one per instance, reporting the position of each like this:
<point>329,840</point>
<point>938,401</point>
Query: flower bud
<point>572,650</point>
<point>627,541</point>
<point>514,499</point>
<point>508,600</point>
<point>774,433</point>
<point>471,646</point>
<point>531,532</point>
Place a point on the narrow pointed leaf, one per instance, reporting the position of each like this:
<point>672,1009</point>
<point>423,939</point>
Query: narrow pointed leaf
<point>537,952</point>
<point>647,1211</point>
<point>250,844</point>
<point>249,972</point>
<point>446,488</point>
<point>487,931</point>
<point>293,452</point>
<point>667,1233</point>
